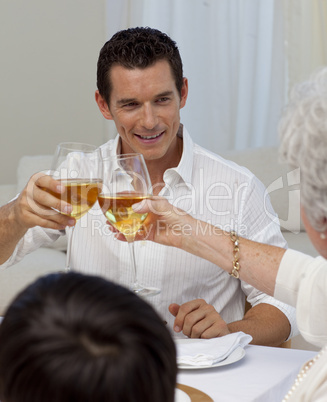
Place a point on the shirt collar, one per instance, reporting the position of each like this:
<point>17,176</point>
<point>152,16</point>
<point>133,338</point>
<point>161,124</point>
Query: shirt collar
<point>111,148</point>
<point>185,166</point>
<point>117,145</point>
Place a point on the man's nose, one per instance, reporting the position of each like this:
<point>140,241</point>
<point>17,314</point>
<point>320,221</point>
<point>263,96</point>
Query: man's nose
<point>149,118</point>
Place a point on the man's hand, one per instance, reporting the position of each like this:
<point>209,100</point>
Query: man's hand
<point>35,206</point>
<point>198,319</point>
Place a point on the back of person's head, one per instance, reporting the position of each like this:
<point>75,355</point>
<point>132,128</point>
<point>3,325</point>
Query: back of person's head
<point>137,48</point>
<point>303,135</point>
<point>81,338</point>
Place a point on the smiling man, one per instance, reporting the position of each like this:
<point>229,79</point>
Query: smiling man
<point>141,88</point>
<point>144,103</point>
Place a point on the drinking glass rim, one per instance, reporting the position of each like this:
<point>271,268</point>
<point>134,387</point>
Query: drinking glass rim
<point>76,146</point>
<point>123,156</point>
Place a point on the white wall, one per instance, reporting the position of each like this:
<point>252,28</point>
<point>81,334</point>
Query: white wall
<point>48,56</point>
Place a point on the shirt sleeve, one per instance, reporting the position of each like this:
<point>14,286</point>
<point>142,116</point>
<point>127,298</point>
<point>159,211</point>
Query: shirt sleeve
<point>302,282</point>
<point>32,240</point>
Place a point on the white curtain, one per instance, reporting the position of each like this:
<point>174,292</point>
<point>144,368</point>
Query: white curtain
<point>233,56</point>
<point>306,37</point>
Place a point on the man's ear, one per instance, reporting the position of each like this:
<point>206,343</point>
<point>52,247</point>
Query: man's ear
<point>184,93</point>
<point>103,106</point>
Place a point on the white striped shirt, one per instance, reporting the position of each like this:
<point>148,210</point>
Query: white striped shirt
<point>209,188</point>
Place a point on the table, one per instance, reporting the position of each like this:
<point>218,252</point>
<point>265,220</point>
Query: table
<point>265,374</point>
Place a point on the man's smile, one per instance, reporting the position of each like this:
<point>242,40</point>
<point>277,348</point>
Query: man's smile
<point>148,138</point>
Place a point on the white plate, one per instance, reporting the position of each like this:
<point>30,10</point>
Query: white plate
<point>235,356</point>
<point>181,396</point>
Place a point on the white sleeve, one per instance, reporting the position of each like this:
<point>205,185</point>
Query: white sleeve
<point>32,240</point>
<point>302,282</point>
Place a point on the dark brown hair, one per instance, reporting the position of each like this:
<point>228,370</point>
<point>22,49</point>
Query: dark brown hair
<point>73,337</point>
<point>137,48</point>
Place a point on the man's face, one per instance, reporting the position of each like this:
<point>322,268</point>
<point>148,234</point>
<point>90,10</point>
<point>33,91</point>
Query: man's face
<point>145,105</point>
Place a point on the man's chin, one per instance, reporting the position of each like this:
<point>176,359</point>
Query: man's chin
<point>151,156</point>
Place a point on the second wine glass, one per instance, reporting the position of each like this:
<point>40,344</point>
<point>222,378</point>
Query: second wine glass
<point>78,166</point>
<point>126,181</point>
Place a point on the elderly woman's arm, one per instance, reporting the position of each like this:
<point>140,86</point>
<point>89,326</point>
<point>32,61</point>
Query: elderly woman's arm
<point>259,264</point>
<point>170,226</point>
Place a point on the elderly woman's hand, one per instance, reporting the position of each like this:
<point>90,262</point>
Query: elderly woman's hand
<point>165,224</point>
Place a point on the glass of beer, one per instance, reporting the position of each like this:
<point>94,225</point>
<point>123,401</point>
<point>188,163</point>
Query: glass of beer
<point>126,181</point>
<point>78,167</point>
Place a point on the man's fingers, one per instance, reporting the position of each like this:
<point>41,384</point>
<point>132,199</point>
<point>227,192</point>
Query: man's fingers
<point>182,312</point>
<point>47,182</point>
<point>43,194</point>
<point>194,324</point>
<point>39,204</point>
<point>48,192</point>
<point>219,328</point>
<point>39,215</point>
<point>173,309</point>
<point>198,319</point>
<point>45,204</point>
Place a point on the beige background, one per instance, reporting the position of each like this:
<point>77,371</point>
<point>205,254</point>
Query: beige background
<point>48,54</point>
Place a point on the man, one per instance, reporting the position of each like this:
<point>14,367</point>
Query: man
<point>141,87</point>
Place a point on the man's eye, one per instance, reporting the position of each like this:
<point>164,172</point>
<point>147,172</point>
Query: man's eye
<point>131,104</point>
<point>164,99</point>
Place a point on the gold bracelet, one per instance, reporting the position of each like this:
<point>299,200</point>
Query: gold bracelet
<point>236,265</point>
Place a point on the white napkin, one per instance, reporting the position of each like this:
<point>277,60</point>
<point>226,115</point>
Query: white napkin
<point>207,352</point>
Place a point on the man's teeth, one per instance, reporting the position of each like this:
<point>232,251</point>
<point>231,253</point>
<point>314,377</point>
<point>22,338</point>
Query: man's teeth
<point>146,137</point>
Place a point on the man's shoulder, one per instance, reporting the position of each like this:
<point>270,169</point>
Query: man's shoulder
<point>206,158</point>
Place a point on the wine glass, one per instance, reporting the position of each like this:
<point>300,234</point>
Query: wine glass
<point>126,182</point>
<point>78,167</point>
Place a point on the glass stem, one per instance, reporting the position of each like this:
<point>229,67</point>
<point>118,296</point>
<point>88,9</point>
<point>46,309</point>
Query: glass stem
<point>135,286</point>
<point>70,232</point>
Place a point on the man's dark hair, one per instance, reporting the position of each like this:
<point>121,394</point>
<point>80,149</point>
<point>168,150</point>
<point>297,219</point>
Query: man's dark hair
<point>73,337</point>
<point>137,48</point>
